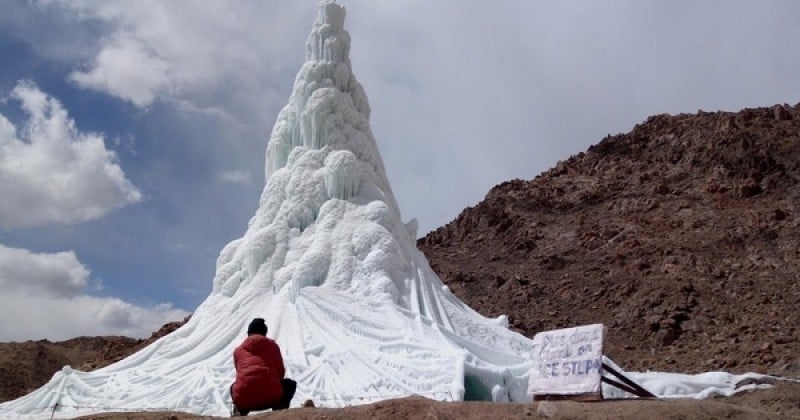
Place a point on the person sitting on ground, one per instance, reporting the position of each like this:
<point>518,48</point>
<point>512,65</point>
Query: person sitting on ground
<point>260,384</point>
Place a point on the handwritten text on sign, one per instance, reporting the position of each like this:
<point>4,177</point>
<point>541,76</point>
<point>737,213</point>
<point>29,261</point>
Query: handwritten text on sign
<point>567,361</point>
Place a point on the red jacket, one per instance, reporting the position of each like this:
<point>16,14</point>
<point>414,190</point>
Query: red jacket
<point>259,370</point>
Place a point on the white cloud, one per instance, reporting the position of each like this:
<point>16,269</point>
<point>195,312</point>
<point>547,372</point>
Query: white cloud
<point>44,296</point>
<point>52,173</point>
<point>36,317</point>
<point>53,275</point>
<point>187,50</point>
<point>128,69</point>
<point>237,177</point>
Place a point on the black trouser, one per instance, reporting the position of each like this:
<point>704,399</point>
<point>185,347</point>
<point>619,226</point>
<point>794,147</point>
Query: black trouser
<point>289,388</point>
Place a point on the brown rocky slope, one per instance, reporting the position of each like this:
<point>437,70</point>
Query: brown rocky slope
<point>28,365</point>
<point>682,236</point>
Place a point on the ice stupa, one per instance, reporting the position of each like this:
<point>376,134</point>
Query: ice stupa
<point>326,260</point>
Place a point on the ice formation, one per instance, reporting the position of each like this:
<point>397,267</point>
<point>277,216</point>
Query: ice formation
<point>326,260</point>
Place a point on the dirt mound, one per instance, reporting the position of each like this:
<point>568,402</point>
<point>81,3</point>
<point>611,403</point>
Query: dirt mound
<point>28,365</point>
<point>681,236</point>
<point>780,402</point>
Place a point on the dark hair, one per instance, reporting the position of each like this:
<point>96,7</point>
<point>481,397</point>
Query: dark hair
<point>257,326</point>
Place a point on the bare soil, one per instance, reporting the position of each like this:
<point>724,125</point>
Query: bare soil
<point>781,402</point>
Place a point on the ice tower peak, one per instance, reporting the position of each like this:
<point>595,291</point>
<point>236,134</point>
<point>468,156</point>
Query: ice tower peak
<point>328,41</point>
<point>327,106</point>
<point>322,159</point>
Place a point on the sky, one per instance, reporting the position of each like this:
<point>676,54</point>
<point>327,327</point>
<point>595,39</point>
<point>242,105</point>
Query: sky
<point>133,133</point>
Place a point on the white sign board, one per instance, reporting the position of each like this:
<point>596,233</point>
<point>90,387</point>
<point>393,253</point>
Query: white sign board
<point>567,361</point>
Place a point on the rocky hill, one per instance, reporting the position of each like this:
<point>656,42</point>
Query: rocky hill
<point>682,236</point>
<point>28,365</point>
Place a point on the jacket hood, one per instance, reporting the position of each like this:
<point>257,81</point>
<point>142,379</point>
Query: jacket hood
<point>253,342</point>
